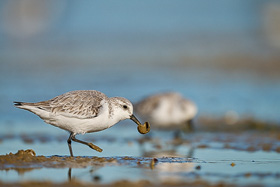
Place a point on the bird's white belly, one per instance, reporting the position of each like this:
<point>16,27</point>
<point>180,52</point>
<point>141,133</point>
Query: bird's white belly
<point>79,126</point>
<point>164,116</point>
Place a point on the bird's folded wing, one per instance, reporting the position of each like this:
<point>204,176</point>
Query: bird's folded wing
<point>81,105</point>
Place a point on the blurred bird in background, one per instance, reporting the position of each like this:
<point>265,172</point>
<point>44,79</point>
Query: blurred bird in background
<point>167,110</point>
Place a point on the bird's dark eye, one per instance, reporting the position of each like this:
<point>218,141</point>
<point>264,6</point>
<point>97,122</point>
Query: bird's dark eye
<point>124,106</point>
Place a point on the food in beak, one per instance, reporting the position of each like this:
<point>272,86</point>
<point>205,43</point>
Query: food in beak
<point>143,129</point>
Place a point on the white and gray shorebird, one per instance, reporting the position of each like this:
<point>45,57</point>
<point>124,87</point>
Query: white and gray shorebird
<point>84,111</point>
<point>167,110</point>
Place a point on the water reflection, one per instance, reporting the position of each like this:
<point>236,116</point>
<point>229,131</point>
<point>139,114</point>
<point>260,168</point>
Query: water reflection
<point>167,172</point>
<point>171,143</point>
<point>162,169</point>
<point>69,174</point>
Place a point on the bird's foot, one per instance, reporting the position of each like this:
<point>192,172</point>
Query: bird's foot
<point>95,147</point>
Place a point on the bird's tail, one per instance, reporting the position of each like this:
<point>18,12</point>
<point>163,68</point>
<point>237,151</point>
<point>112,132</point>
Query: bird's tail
<point>16,103</point>
<point>22,105</point>
<point>27,106</point>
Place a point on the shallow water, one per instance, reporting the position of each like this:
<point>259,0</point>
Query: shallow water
<point>263,170</point>
<point>198,156</point>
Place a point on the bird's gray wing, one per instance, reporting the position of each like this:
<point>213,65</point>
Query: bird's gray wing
<point>77,104</point>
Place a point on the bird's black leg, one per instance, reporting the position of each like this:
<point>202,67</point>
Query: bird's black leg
<point>86,143</point>
<point>190,125</point>
<point>69,144</point>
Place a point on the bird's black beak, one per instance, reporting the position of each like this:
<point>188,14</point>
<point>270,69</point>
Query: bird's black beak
<point>133,118</point>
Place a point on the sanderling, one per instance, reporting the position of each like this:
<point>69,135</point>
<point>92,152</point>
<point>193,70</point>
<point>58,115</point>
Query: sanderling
<point>166,110</point>
<point>84,111</point>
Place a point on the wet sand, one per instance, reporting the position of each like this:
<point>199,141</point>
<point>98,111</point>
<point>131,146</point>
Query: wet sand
<point>245,153</point>
<point>26,160</point>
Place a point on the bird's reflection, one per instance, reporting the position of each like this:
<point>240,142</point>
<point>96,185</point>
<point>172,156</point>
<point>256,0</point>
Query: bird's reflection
<point>159,145</point>
<point>91,172</point>
<point>69,174</point>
